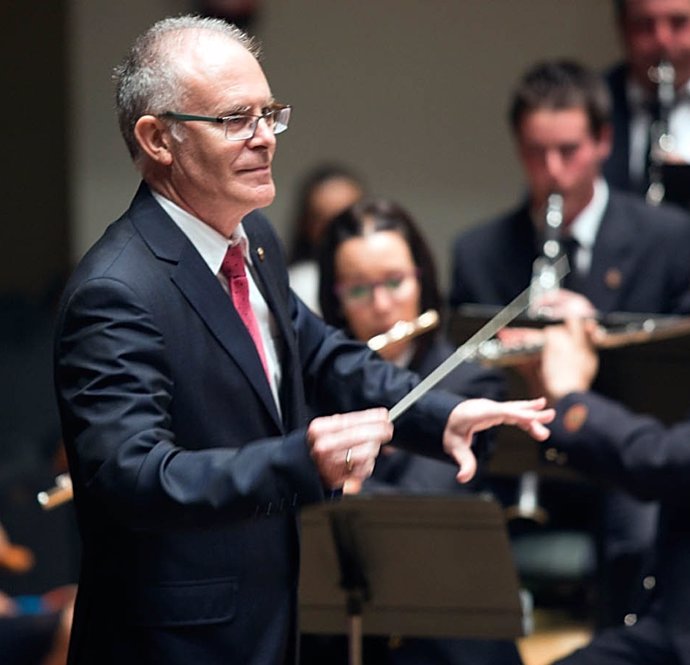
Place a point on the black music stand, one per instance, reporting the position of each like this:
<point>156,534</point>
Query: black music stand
<point>407,565</point>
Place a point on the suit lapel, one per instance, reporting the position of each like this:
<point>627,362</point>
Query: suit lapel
<point>203,292</point>
<point>264,266</point>
<point>613,261</point>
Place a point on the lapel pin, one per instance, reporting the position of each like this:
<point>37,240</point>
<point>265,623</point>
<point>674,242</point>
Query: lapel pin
<point>260,253</point>
<point>613,278</point>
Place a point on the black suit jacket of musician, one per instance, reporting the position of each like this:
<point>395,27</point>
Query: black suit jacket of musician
<point>640,259</point>
<point>603,439</point>
<point>187,479</point>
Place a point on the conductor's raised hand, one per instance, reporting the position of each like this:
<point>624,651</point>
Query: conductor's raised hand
<point>475,415</point>
<point>345,446</point>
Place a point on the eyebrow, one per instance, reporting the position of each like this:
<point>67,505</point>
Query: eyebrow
<point>243,109</point>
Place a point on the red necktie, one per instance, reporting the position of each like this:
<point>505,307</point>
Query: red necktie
<point>233,269</point>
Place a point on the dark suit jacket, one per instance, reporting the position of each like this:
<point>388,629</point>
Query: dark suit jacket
<point>616,168</point>
<point>187,480</point>
<point>399,471</point>
<point>603,439</point>
<point>640,262</point>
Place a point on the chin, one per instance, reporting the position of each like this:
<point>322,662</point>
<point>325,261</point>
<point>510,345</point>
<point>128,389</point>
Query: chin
<point>264,196</point>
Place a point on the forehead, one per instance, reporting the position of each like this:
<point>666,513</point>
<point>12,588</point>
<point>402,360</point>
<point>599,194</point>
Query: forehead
<point>216,67</point>
<point>547,126</point>
<point>374,253</point>
<point>637,9</point>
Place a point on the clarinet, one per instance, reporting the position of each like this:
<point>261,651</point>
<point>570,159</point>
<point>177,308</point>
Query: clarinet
<point>660,139</point>
<point>545,276</point>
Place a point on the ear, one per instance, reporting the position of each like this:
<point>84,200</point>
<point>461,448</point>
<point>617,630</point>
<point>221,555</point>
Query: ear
<point>153,136</point>
<point>605,142</point>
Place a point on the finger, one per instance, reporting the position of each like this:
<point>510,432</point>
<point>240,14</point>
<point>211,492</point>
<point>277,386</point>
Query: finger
<point>340,422</point>
<point>338,443</point>
<point>467,464</point>
<point>538,431</point>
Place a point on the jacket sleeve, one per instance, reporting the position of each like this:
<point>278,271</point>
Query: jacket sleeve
<point>115,390</point>
<point>601,437</point>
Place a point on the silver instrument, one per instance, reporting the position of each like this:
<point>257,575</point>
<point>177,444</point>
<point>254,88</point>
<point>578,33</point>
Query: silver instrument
<point>661,142</point>
<point>545,276</point>
<point>405,330</point>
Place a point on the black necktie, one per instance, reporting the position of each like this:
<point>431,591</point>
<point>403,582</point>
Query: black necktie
<point>574,280</point>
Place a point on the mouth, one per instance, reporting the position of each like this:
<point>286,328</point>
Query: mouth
<point>261,169</point>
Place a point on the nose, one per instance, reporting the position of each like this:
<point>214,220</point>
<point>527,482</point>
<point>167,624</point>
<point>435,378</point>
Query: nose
<point>263,134</point>
<point>553,163</point>
<point>381,299</point>
<point>663,37</point>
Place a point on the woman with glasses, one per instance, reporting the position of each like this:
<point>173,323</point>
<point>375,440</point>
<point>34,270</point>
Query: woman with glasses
<point>376,270</point>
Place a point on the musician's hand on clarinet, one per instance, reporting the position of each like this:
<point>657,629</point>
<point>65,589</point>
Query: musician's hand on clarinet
<point>476,415</point>
<point>569,360</point>
<point>563,304</point>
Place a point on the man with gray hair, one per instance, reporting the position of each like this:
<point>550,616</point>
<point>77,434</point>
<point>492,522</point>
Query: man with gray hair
<point>183,366</point>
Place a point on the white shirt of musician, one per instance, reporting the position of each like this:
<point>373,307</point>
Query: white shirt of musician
<point>585,227</point>
<point>212,246</point>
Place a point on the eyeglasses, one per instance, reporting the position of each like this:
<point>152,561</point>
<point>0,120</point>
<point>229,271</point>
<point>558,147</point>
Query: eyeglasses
<point>362,293</point>
<point>241,126</point>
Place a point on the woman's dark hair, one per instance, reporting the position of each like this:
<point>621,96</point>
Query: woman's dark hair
<point>363,218</point>
<point>300,246</point>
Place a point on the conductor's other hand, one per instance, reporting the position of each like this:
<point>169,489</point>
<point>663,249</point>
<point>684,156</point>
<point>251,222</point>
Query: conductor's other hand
<point>475,415</point>
<point>345,446</point>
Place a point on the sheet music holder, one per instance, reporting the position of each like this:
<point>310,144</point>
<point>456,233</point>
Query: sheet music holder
<point>423,566</point>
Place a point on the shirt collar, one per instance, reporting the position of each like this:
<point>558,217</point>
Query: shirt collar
<point>208,242</point>
<point>585,226</point>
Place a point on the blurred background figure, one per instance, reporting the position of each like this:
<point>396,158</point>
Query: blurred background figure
<point>376,271</point>
<point>324,192</point>
<point>604,439</point>
<point>243,13</point>
<point>624,255</point>
<point>652,32</point>
<point>34,629</point>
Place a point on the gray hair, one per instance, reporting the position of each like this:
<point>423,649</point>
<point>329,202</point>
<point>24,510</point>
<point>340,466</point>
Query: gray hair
<point>148,80</point>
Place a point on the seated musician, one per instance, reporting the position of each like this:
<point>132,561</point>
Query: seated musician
<point>34,630</point>
<point>377,270</point>
<point>603,439</point>
<point>625,256</point>
<point>651,101</point>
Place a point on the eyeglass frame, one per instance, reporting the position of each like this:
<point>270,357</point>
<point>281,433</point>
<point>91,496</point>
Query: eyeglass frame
<point>340,289</point>
<point>274,110</point>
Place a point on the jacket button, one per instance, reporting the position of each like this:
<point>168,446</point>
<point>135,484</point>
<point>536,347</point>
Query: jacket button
<point>649,582</point>
<point>630,619</point>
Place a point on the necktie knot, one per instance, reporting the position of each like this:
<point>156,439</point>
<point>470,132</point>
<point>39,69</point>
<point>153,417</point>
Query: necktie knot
<point>233,263</point>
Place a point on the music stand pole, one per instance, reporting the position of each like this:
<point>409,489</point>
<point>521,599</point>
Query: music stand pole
<point>352,580</point>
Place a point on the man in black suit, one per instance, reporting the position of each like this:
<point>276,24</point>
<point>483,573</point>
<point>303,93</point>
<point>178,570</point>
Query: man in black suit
<point>651,31</point>
<point>628,256</point>
<point>603,439</point>
<point>183,368</point>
